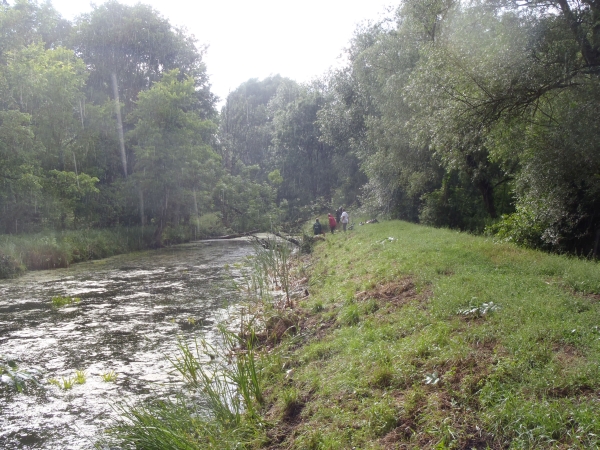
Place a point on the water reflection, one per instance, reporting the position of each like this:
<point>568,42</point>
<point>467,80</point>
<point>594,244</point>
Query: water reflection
<point>131,310</point>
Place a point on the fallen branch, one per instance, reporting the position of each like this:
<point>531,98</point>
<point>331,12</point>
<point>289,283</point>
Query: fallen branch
<point>289,239</point>
<point>233,236</point>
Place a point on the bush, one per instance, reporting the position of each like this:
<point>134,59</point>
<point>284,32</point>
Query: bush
<point>9,267</point>
<point>522,227</point>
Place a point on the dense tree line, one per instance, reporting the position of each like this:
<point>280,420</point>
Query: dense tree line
<point>480,116</point>
<point>110,120</point>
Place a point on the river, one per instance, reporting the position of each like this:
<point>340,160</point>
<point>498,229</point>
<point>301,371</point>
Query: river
<point>132,310</point>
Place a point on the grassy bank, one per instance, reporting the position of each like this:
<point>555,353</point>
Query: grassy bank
<point>426,338</point>
<point>56,249</point>
<point>53,250</point>
<point>414,337</point>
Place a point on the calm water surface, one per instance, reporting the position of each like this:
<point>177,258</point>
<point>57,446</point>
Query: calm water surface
<point>132,309</point>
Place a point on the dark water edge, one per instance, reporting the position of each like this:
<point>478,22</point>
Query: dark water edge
<point>132,310</point>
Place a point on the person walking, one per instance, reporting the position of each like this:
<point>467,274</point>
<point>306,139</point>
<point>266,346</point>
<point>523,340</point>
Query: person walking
<point>344,219</point>
<point>317,228</point>
<point>332,223</point>
<point>338,214</point>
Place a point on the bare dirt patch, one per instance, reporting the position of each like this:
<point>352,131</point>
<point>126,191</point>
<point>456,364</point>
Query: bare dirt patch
<point>397,292</point>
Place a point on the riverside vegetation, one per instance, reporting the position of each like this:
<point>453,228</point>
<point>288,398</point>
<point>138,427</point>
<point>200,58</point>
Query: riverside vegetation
<point>56,249</point>
<point>410,337</point>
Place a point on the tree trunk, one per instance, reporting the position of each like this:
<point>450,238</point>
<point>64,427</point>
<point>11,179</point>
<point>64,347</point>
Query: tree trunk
<point>487,192</point>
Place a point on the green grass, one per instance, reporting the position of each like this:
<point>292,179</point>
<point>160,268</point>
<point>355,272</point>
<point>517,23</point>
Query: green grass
<point>64,383</point>
<point>109,377</point>
<point>51,250</point>
<point>80,377</point>
<point>446,340</point>
<point>227,415</point>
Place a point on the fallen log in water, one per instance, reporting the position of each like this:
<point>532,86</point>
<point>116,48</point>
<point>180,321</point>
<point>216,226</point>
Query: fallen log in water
<point>233,236</point>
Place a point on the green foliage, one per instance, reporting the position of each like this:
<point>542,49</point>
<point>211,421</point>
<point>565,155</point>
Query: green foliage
<point>51,250</point>
<point>9,267</point>
<point>15,377</point>
<point>109,377</point>
<point>175,165</point>
<point>59,302</point>
<point>231,397</point>
<point>80,377</point>
<point>64,383</point>
<point>207,225</point>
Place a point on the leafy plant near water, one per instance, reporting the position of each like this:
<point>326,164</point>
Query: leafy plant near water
<point>51,250</point>
<point>80,377</point>
<point>59,302</point>
<point>269,268</point>
<point>13,376</point>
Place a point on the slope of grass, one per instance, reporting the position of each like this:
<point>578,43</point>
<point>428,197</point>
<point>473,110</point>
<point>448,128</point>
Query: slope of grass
<point>414,337</point>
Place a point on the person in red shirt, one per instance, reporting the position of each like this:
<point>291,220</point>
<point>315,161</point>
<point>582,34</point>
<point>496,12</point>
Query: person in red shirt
<point>332,223</point>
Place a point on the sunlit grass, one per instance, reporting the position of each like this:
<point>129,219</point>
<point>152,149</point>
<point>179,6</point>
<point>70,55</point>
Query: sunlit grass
<point>413,338</point>
<point>109,377</point>
<point>486,336</point>
<point>59,302</point>
<point>64,383</point>
<point>80,377</point>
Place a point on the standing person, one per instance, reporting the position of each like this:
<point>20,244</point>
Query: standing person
<point>317,228</point>
<point>338,214</point>
<point>345,219</point>
<point>332,223</point>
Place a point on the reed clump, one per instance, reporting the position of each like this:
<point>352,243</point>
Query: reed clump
<point>51,250</point>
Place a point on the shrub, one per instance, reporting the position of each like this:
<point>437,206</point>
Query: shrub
<point>9,267</point>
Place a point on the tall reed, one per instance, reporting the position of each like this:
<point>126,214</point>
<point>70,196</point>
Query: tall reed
<point>270,268</point>
<point>221,410</point>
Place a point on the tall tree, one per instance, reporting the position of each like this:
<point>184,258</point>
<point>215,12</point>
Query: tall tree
<point>127,49</point>
<point>245,124</point>
<point>175,165</point>
<point>302,158</point>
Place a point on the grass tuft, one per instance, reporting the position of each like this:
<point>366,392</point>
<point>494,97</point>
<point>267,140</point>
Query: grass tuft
<point>109,377</point>
<point>59,302</point>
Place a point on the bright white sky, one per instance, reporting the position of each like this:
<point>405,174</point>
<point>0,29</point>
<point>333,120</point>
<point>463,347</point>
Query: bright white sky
<point>247,39</point>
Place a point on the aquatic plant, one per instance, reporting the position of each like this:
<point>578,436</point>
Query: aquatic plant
<point>80,377</point>
<point>64,384</point>
<point>269,269</point>
<point>109,377</point>
<point>226,416</point>
<point>59,302</point>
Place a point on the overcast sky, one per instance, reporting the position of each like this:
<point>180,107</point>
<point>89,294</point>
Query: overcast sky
<point>257,38</point>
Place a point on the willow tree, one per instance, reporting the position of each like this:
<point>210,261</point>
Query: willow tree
<point>515,106</point>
